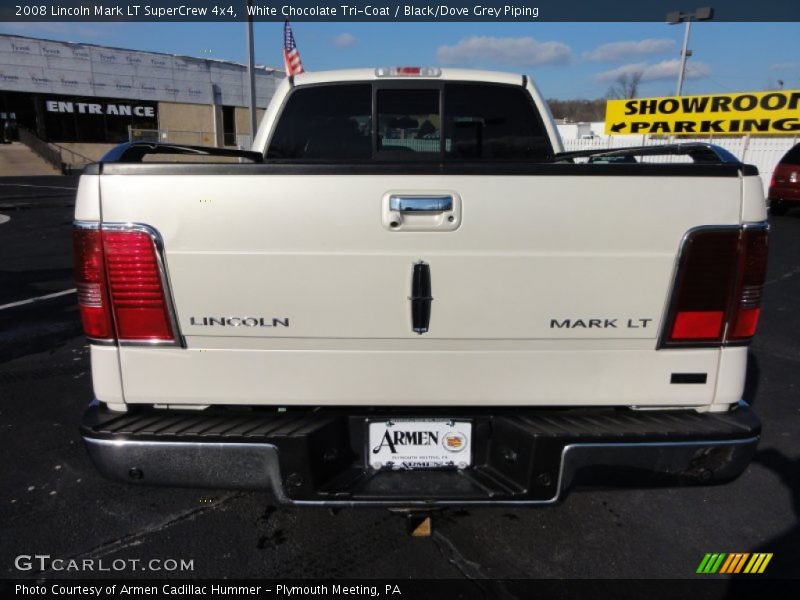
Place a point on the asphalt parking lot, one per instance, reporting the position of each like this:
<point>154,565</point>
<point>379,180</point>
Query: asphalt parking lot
<point>53,502</point>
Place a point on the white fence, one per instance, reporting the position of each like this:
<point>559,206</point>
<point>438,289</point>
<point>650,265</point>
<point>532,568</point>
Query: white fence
<point>189,138</point>
<point>764,153</point>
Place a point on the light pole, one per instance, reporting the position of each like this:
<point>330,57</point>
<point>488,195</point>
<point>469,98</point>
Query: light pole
<point>251,75</point>
<point>673,18</point>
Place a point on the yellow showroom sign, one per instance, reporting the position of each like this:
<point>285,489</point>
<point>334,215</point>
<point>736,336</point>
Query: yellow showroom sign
<point>775,113</point>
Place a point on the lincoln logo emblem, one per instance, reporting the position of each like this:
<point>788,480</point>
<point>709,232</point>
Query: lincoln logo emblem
<point>238,322</point>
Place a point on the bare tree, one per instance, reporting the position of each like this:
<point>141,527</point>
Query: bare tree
<point>578,110</point>
<point>626,86</point>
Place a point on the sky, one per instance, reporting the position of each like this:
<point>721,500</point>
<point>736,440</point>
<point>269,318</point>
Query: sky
<point>566,60</point>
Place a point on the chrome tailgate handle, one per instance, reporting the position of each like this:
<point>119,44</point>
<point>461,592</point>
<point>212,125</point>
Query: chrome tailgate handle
<point>421,210</point>
<point>420,203</point>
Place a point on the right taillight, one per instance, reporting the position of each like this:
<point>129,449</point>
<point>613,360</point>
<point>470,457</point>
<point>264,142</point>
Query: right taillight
<point>746,302</point>
<point>121,288</point>
<point>716,297</point>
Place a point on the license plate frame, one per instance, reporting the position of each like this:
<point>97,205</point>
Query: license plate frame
<point>418,443</point>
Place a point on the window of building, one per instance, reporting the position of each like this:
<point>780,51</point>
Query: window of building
<point>228,126</point>
<point>91,119</point>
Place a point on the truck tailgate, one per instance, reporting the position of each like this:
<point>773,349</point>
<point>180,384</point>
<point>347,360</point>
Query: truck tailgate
<point>292,289</point>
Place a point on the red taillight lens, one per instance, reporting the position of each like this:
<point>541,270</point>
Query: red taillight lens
<point>134,283</point>
<point>750,287</point>
<point>90,279</point>
<point>120,289</point>
<point>701,296</point>
<point>698,325</point>
<point>717,294</point>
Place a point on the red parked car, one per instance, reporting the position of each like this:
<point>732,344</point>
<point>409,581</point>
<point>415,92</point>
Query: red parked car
<point>784,189</point>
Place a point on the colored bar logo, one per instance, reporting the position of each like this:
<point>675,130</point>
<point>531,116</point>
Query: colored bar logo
<point>734,562</point>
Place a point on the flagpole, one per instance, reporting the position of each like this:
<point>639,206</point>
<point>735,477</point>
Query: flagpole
<point>251,74</point>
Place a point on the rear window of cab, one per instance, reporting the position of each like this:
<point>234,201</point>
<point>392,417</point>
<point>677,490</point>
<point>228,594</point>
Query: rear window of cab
<point>445,122</point>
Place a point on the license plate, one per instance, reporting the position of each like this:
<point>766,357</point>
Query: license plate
<point>420,444</point>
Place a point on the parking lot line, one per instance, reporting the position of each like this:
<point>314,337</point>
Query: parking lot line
<point>38,298</point>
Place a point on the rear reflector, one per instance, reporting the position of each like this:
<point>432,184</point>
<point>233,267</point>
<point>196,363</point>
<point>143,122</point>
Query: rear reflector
<point>120,289</point>
<point>716,297</point>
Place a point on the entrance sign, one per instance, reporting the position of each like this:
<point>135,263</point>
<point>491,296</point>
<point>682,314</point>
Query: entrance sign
<point>91,119</point>
<point>95,108</point>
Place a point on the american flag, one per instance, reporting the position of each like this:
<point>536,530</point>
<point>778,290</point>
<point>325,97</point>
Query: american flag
<point>291,57</point>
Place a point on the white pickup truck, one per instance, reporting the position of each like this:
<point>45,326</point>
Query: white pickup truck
<point>408,295</point>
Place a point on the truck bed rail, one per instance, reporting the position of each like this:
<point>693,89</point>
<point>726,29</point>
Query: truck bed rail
<point>699,152</point>
<point>134,152</point>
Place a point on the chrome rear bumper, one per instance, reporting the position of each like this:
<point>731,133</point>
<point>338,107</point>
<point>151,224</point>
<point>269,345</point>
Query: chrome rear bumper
<point>309,459</point>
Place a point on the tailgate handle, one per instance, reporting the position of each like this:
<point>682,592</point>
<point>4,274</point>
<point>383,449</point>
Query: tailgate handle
<point>420,203</point>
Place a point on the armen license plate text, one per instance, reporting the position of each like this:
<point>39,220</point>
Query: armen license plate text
<point>420,444</point>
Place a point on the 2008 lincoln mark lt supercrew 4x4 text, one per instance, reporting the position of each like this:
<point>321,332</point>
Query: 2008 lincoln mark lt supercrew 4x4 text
<point>407,294</point>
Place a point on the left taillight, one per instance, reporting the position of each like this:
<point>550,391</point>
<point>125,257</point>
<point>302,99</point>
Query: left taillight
<point>90,281</point>
<point>120,286</point>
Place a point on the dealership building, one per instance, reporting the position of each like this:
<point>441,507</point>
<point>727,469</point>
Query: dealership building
<point>87,98</point>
